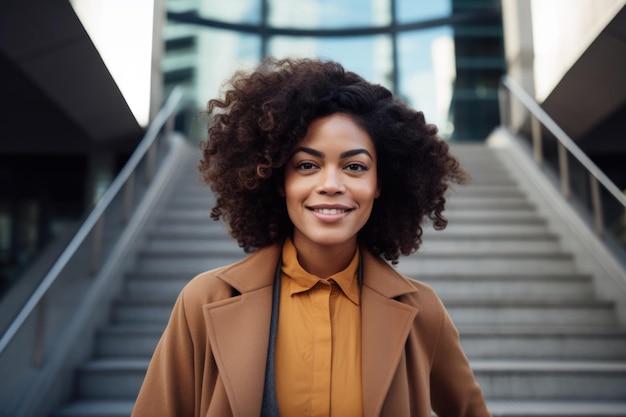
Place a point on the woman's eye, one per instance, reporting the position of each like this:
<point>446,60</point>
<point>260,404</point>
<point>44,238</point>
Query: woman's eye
<point>305,165</point>
<point>356,167</point>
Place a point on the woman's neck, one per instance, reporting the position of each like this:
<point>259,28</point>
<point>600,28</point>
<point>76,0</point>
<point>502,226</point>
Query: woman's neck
<point>324,261</point>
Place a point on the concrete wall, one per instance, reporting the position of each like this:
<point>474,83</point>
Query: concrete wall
<point>562,30</point>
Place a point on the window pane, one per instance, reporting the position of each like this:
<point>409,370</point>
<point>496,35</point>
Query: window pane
<point>368,56</point>
<point>427,73</point>
<point>220,53</point>
<point>240,11</point>
<point>314,14</point>
<point>415,11</point>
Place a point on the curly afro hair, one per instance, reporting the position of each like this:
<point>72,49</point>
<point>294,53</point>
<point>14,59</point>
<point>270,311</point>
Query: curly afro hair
<point>263,114</point>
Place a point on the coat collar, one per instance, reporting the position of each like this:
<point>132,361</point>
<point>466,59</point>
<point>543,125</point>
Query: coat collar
<point>239,331</point>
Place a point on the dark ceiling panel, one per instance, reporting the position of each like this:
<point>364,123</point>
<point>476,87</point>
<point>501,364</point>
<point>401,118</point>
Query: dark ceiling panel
<point>45,40</point>
<point>595,87</point>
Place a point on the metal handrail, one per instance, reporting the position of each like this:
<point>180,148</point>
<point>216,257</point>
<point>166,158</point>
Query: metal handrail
<point>162,118</point>
<point>562,137</point>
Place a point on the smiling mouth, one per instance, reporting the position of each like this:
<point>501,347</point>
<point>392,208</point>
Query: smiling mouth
<point>330,212</point>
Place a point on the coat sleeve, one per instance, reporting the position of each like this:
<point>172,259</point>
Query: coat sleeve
<point>454,389</point>
<point>169,385</point>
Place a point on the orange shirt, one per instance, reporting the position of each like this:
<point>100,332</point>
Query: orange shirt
<point>318,341</point>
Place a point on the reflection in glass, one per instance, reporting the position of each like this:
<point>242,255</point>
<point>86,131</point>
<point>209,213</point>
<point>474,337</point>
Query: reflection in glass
<point>368,56</point>
<point>413,11</point>
<point>316,14</point>
<point>220,53</point>
<point>427,73</point>
<point>240,11</point>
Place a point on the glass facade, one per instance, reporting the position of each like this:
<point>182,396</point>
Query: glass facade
<point>443,57</point>
<point>328,14</point>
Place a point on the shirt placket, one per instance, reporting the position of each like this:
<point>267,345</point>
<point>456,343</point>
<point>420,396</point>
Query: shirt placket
<point>322,348</point>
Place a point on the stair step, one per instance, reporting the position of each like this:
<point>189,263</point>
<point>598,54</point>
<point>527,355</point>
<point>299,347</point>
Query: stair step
<point>509,286</point>
<point>493,217</point>
<point>445,243</point>
<point>97,408</point>
<point>544,342</point>
<point>480,203</point>
<point>196,247</point>
<point>502,263</point>
<point>531,312</point>
<point>498,178</point>
<point>186,231</point>
<point>554,408</point>
<point>128,340</point>
<point>142,312</point>
<point>111,378</point>
<point>545,379</point>
<point>486,190</point>
<point>487,229</point>
<point>187,266</point>
<point>156,289</point>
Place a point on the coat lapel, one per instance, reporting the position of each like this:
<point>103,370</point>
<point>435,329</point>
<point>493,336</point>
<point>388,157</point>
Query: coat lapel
<point>386,324</point>
<point>238,330</point>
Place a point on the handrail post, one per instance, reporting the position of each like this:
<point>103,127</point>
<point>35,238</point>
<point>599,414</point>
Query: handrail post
<point>504,107</point>
<point>169,124</point>
<point>128,196</point>
<point>40,326</point>
<point>596,203</point>
<point>535,129</point>
<point>151,160</point>
<point>564,171</point>
<point>96,248</point>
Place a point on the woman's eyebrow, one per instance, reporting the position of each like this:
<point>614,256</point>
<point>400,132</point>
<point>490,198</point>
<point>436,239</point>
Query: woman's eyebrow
<point>353,152</point>
<point>345,154</point>
<point>309,151</point>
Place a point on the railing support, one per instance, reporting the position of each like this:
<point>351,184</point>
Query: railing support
<point>535,129</point>
<point>504,106</point>
<point>128,196</point>
<point>596,204</point>
<point>151,161</point>
<point>564,171</point>
<point>96,244</point>
<point>40,330</point>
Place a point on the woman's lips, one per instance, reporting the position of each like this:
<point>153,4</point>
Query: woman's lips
<point>330,214</point>
<point>329,211</point>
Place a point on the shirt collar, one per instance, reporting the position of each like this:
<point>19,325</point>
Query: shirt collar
<point>303,281</point>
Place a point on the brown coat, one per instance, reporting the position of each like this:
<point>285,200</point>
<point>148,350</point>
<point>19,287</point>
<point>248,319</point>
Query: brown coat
<point>210,361</point>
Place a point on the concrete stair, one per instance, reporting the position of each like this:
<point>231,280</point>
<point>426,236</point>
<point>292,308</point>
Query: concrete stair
<point>539,340</point>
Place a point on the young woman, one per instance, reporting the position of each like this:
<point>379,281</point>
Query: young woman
<point>323,176</point>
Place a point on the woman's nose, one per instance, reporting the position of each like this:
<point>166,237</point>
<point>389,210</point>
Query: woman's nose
<point>330,182</point>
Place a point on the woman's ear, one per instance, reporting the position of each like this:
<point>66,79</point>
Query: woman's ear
<point>377,191</point>
<point>281,191</point>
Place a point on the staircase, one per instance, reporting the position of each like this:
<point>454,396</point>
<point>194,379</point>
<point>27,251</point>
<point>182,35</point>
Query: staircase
<point>540,342</point>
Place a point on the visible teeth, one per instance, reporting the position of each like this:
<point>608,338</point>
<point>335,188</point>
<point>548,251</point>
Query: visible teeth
<point>330,211</point>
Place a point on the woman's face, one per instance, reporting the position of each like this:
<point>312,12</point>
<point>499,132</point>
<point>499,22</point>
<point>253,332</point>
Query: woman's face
<point>331,183</point>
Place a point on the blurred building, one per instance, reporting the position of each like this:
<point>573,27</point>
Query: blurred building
<point>443,57</point>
